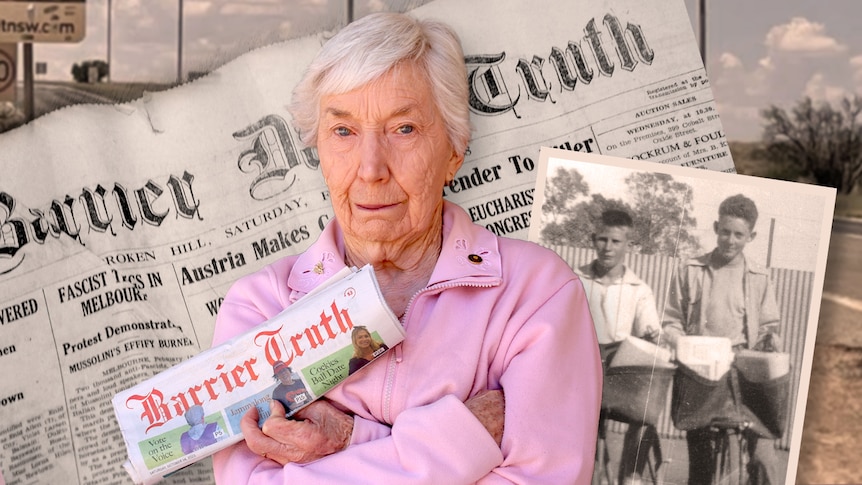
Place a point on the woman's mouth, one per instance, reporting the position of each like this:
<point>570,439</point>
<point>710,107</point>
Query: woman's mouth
<point>374,207</point>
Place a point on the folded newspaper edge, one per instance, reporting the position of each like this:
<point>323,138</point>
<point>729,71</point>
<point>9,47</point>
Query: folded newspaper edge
<point>192,410</point>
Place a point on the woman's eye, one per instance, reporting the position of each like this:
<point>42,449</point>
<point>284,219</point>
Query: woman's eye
<point>342,131</point>
<point>405,129</point>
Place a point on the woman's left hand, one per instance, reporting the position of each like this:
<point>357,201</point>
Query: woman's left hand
<point>319,429</point>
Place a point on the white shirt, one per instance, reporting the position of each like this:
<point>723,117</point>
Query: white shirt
<point>625,307</point>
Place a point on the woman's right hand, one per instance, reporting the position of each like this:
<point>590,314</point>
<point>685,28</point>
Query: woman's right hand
<point>489,407</point>
<point>319,429</point>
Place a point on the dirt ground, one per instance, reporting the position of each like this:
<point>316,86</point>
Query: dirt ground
<point>830,440</point>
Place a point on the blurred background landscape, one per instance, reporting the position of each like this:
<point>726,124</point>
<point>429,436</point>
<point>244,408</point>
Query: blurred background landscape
<point>787,79</point>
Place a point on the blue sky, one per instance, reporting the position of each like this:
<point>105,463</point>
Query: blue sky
<point>759,52</point>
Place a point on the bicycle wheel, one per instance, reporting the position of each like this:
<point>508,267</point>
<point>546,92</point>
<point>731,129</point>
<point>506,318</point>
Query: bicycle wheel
<point>731,458</point>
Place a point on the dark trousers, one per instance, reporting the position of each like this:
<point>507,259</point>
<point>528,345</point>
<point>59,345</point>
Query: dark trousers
<point>762,465</point>
<point>638,443</point>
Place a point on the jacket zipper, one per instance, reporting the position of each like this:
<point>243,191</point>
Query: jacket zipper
<point>395,358</point>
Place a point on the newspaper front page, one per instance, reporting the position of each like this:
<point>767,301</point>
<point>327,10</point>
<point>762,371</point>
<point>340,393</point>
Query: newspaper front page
<point>122,227</point>
<point>194,409</point>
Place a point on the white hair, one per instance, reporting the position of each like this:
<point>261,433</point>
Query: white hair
<point>367,49</point>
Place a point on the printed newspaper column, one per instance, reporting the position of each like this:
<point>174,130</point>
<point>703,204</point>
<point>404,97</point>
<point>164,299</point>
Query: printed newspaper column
<point>137,326</point>
<point>203,274</point>
<point>40,447</point>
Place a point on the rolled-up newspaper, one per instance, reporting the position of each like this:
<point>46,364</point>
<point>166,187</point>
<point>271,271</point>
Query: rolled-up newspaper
<point>637,352</point>
<point>193,409</point>
<point>762,366</point>
<point>710,357</point>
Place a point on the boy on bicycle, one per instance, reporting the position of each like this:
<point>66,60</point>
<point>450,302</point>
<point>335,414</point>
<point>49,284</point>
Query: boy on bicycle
<point>621,304</point>
<point>725,294</point>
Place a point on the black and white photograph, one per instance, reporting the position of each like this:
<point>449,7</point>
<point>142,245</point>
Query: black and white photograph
<point>704,289</point>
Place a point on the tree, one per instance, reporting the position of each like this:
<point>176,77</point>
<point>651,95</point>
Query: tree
<point>577,228</point>
<point>560,192</point>
<point>10,116</point>
<point>663,211</point>
<point>660,206</point>
<point>81,72</point>
<point>819,141</point>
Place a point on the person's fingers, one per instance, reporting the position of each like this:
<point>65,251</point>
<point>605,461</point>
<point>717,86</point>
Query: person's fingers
<point>276,409</point>
<point>277,426</point>
<point>249,420</point>
<point>316,411</point>
<point>254,437</point>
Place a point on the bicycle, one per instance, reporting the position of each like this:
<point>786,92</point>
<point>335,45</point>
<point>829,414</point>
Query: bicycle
<point>653,469</point>
<point>633,395</point>
<point>726,464</point>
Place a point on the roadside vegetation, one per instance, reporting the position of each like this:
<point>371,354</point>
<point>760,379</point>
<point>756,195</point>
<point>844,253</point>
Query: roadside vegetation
<point>748,158</point>
<point>119,92</point>
<point>816,143</point>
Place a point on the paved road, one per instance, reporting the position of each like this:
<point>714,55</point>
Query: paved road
<point>841,308</point>
<point>829,452</point>
<point>847,226</point>
<point>49,97</point>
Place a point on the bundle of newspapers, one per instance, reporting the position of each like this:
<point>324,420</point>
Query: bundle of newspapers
<point>194,409</point>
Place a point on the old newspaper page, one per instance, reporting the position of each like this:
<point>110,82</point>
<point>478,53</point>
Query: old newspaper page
<point>122,227</point>
<point>750,393</point>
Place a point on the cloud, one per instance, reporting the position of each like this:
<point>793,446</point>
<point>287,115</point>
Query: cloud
<point>856,67</point>
<point>375,6</point>
<point>195,7</point>
<point>802,36</point>
<point>248,8</point>
<point>819,89</point>
<point>738,116</point>
<point>799,59</point>
<point>729,61</point>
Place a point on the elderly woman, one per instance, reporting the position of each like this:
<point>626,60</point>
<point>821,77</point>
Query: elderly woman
<point>498,379</point>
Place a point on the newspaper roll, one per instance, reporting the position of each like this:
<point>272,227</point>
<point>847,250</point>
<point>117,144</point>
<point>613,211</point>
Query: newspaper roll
<point>709,357</point>
<point>638,352</point>
<point>762,366</point>
<point>194,409</point>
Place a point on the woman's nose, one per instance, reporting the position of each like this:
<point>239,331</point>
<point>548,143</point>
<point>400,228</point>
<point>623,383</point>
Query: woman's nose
<point>374,158</point>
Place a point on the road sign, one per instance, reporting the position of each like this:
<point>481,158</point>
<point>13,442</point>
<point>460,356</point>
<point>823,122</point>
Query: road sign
<point>42,21</point>
<point>8,71</point>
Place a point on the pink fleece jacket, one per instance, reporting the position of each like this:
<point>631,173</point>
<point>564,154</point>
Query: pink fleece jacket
<point>515,318</point>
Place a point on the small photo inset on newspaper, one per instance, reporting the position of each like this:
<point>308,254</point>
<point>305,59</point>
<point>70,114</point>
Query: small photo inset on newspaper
<point>704,289</point>
<point>366,345</point>
<point>365,348</point>
<point>290,390</point>
<point>199,432</point>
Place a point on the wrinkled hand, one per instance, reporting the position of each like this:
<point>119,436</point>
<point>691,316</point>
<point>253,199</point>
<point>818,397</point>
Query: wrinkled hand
<point>318,430</point>
<point>489,407</point>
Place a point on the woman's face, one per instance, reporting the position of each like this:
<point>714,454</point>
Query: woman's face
<point>363,340</point>
<point>385,155</point>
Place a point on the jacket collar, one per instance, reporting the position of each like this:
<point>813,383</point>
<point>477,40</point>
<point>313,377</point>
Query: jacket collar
<point>629,277</point>
<point>750,266</point>
<point>470,253</point>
